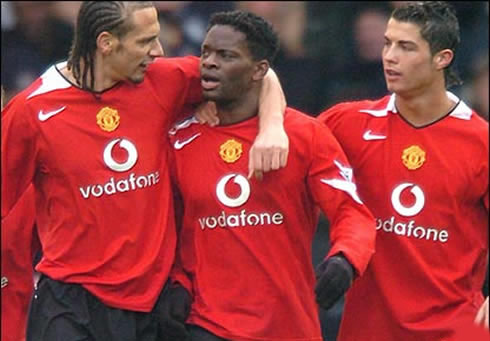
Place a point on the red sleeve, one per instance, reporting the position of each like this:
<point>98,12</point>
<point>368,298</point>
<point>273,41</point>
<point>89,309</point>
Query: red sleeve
<point>18,152</point>
<point>178,84</point>
<point>177,273</point>
<point>332,183</point>
<point>19,244</point>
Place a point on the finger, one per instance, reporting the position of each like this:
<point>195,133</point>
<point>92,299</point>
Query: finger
<point>211,118</point>
<point>254,162</point>
<point>323,289</point>
<point>330,301</point>
<point>200,119</point>
<point>327,298</point>
<point>266,161</point>
<point>259,175</point>
<point>284,157</point>
<point>250,173</point>
<point>276,160</point>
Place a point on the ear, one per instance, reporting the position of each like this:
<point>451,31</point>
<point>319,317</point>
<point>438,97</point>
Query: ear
<point>106,42</point>
<point>443,59</point>
<point>260,69</point>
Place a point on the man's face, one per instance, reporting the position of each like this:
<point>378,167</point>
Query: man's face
<point>226,64</point>
<point>138,48</point>
<point>407,60</point>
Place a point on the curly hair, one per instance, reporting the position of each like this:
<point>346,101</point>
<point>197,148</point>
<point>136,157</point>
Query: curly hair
<point>262,40</point>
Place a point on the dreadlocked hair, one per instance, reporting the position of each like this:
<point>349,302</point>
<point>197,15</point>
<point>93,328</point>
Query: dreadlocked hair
<point>262,40</point>
<point>95,17</point>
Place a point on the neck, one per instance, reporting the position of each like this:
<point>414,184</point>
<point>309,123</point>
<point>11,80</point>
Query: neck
<point>102,80</point>
<point>425,107</point>
<point>239,110</point>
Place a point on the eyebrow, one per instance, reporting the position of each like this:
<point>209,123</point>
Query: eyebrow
<point>146,39</point>
<point>402,42</point>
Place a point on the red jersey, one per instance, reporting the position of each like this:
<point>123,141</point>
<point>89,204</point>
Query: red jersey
<point>100,171</point>
<point>428,190</point>
<point>19,245</point>
<point>246,244</point>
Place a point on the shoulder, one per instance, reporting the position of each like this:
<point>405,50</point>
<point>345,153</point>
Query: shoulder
<point>176,65</point>
<point>347,111</point>
<point>45,88</point>
<point>184,128</point>
<point>302,127</point>
<point>468,121</point>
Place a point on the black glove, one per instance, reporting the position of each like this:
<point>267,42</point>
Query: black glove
<point>334,276</point>
<point>173,312</point>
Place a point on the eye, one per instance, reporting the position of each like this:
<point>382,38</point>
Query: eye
<point>407,47</point>
<point>226,55</point>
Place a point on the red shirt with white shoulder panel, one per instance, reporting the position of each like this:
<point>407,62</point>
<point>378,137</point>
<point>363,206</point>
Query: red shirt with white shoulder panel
<point>99,165</point>
<point>428,190</point>
<point>245,245</point>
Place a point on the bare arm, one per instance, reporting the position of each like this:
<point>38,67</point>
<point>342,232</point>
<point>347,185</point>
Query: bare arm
<point>271,147</point>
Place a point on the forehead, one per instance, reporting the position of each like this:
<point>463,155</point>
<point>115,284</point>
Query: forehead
<point>406,31</point>
<point>144,23</point>
<point>225,37</point>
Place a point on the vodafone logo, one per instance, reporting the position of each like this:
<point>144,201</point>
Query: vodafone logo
<point>130,149</point>
<point>123,183</point>
<point>241,181</point>
<point>408,211</point>
<point>409,227</point>
<point>229,218</point>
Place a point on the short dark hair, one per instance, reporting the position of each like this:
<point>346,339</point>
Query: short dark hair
<point>93,18</point>
<point>262,40</point>
<point>438,26</point>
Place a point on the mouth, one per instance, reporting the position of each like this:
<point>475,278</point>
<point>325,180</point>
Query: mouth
<point>392,74</point>
<point>145,65</point>
<point>209,82</point>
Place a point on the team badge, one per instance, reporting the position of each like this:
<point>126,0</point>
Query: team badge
<point>230,151</point>
<point>108,119</point>
<point>413,157</point>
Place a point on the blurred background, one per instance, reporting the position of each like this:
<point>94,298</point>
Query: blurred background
<point>330,52</point>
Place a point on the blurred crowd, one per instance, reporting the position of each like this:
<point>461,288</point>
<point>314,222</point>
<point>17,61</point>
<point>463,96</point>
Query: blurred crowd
<point>330,52</point>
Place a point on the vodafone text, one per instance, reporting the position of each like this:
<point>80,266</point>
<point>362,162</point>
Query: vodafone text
<point>410,230</point>
<point>241,219</point>
<point>113,186</point>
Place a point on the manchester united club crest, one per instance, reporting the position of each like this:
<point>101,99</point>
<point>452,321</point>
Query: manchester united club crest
<point>413,157</point>
<point>108,119</point>
<point>230,151</point>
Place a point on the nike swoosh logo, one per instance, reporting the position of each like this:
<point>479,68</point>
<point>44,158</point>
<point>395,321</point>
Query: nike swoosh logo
<point>369,136</point>
<point>180,144</point>
<point>45,116</point>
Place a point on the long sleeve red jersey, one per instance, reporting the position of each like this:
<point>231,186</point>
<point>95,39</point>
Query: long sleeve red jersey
<point>245,245</point>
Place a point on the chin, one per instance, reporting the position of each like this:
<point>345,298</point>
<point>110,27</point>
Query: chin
<point>137,80</point>
<point>210,97</point>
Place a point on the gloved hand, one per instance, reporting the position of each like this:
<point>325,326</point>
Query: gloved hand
<point>334,276</point>
<point>173,312</point>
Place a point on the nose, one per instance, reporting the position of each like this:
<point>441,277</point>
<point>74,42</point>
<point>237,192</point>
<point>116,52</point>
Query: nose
<point>208,60</point>
<point>157,49</point>
<point>389,54</point>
